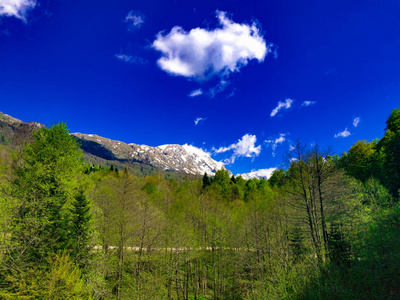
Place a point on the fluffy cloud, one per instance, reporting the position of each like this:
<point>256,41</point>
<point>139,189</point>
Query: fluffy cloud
<point>262,173</point>
<point>16,8</point>
<point>199,120</point>
<point>276,142</point>
<point>131,59</point>
<point>356,121</point>
<point>282,105</point>
<point>195,93</point>
<point>202,53</point>
<point>245,147</point>
<point>308,103</point>
<point>344,133</point>
<point>134,20</point>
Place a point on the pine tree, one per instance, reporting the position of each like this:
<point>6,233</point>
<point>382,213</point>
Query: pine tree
<point>206,180</point>
<point>44,188</point>
<point>81,228</point>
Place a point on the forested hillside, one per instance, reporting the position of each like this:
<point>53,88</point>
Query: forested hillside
<point>327,227</point>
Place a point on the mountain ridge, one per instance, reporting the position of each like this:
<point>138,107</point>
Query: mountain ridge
<point>170,157</point>
<point>142,159</point>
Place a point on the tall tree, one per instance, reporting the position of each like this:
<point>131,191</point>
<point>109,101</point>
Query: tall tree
<point>45,187</point>
<point>82,217</point>
<point>310,185</point>
<point>222,182</point>
<point>206,180</point>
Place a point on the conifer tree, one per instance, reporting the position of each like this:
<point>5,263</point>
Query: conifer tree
<point>45,186</point>
<point>206,180</point>
<point>81,227</point>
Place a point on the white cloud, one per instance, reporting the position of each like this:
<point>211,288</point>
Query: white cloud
<point>308,103</point>
<point>282,105</point>
<point>291,148</point>
<point>344,133</point>
<point>202,53</point>
<point>199,151</point>
<point>16,8</point>
<point>197,120</point>
<point>131,59</point>
<point>356,121</point>
<point>262,173</point>
<point>245,147</point>
<point>134,20</point>
<point>195,93</point>
<point>276,142</point>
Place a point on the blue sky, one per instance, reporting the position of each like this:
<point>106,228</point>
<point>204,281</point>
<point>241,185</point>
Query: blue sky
<point>243,80</point>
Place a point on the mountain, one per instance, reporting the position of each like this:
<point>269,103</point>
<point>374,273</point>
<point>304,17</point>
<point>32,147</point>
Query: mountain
<point>9,120</point>
<point>14,132</point>
<point>174,158</point>
<point>141,159</point>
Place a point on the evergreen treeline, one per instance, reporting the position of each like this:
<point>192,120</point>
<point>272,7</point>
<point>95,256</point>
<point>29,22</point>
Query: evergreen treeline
<point>325,228</point>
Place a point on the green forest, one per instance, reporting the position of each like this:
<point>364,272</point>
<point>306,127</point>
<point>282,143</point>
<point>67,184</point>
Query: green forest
<point>324,227</point>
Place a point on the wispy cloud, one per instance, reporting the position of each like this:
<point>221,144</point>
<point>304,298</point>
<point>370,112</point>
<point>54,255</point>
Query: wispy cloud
<point>199,120</point>
<point>219,88</point>
<point>16,8</point>
<point>356,121</point>
<point>343,134</point>
<point>195,93</point>
<point>131,59</point>
<point>281,105</point>
<point>308,103</point>
<point>275,52</point>
<point>134,20</point>
<point>232,93</point>
<point>275,142</point>
<point>245,147</point>
<point>203,53</point>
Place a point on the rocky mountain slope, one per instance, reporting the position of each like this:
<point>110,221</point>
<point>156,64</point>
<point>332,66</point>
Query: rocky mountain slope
<point>15,132</point>
<point>176,158</point>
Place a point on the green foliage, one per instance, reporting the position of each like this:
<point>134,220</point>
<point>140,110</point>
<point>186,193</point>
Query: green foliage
<point>277,178</point>
<point>222,181</point>
<point>45,184</point>
<point>47,213</point>
<point>378,159</point>
<point>365,252</point>
<point>309,232</point>
<point>62,280</point>
<point>150,188</point>
<point>389,148</point>
<point>359,162</point>
<point>82,229</point>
